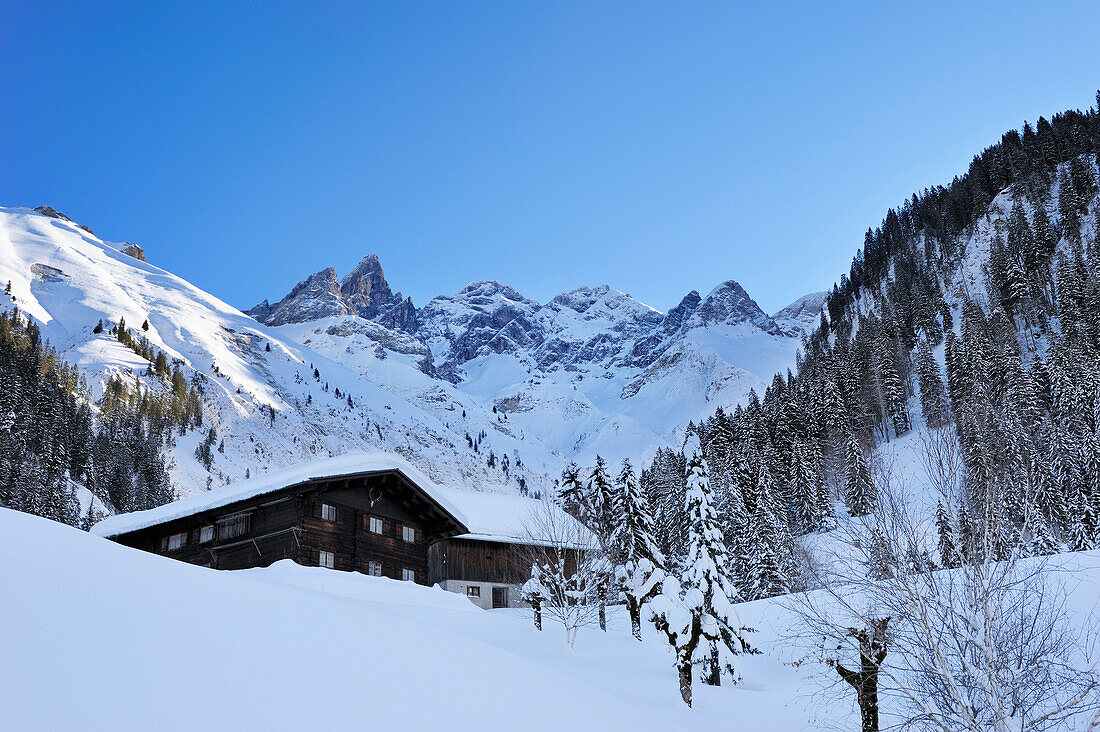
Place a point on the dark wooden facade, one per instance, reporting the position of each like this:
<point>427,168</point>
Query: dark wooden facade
<point>477,560</point>
<point>292,523</point>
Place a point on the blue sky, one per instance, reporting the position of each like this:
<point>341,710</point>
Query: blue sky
<point>656,147</point>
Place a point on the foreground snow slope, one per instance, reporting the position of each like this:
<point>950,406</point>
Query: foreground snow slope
<point>100,636</point>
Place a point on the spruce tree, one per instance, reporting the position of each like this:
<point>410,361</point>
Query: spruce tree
<point>932,397</point>
<point>638,561</point>
<point>696,614</point>
<point>859,491</point>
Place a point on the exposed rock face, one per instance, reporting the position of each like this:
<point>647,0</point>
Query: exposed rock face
<point>729,304</point>
<point>647,349</point>
<point>132,249</point>
<point>317,296</point>
<point>485,316</point>
<point>52,212</point>
<point>363,291</point>
<point>369,296</point>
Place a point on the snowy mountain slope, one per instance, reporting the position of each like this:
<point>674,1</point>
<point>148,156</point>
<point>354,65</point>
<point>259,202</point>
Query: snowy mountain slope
<point>260,392</point>
<point>591,371</point>
<point>802,315</point>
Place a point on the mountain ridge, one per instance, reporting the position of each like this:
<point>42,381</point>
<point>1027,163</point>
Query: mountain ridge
<point>456,386</point>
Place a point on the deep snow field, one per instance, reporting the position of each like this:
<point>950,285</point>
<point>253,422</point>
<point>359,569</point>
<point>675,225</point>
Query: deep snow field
<point>100,636</point>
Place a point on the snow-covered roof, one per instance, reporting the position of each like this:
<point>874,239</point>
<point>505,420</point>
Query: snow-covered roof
<point>350,464</point>
<point>488,516</point>
<point>514,519</point>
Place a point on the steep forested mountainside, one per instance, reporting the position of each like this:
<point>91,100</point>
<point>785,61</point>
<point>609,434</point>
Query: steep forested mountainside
<point>61,459</point>
<point>973,307</point>
<point>482,389</point>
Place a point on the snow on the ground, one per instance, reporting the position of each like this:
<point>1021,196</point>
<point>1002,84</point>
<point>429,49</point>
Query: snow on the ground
<point>100,636</point>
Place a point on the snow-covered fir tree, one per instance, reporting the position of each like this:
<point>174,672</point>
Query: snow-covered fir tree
<point>696,612</point>
<point>639,563</point>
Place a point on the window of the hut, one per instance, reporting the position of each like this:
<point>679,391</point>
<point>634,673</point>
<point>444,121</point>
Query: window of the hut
<point>326,559</point>
<point>374,569</point>
<point>233,526</point>
<point>206,534</point>
<point>375,525</point>
<point>408,533</point>
<point>472,591</point>
<point>175,541</point>
<point>328,512</point>
<point>408,575</point>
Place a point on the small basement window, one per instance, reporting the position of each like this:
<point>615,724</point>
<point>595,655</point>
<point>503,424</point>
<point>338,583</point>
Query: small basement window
<point>206,534</point>
<point>375,525</point>
<point>326,559</point>
<point>408,533</point>
<point>472,591</point>
<point>175,541</point>
<point>408,575</point>
<point>374,569</point>
<point>328,512</point>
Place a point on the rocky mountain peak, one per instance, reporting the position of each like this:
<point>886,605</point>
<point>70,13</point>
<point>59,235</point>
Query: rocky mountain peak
<point>317,296</point>
<point>363,291</point>
<point>368,294</point>
<point>52,212</point>
<point>490,289</point>
<point>729,304</point>
<point>675,318</point>
<point>802,315</point>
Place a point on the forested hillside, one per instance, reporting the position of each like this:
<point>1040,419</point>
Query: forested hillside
<point>56,443</point>
<point>973,305</point>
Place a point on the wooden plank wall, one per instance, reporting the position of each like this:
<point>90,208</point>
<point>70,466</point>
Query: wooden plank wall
<point>477,561</point>
<point>354,545</point>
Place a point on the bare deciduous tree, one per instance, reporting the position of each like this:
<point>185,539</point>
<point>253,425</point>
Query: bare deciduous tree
<point>568,570</point>
<point>989,645</point>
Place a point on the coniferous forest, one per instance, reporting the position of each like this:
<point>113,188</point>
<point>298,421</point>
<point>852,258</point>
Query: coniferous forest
<point>1017,383</point>
<point>55,440</point>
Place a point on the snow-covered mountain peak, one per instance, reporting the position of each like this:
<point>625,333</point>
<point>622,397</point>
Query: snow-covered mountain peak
<point>803,314</point>
<point>591,370</point>
<point>604,298</point>
<point>487,289</point>
<point>729,304</point>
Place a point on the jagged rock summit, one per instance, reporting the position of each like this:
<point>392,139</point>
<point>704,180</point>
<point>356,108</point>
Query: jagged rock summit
<point>369,296</point>
<point>729,304</point>
<point>317,296</point>
<point>363,291</point>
